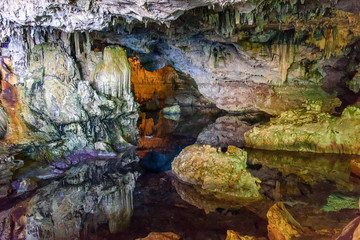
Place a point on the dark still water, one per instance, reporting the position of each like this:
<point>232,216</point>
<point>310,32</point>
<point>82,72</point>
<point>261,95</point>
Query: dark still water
<point>97,195</point>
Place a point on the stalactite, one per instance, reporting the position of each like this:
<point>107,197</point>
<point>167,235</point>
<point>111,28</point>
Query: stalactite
<point>77,44</point>
<point>113,75</point>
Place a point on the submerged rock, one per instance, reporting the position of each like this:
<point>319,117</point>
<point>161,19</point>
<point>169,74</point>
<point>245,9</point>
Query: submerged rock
<point>311,169</point>
<point>222,174</point>
<point>309,129</point>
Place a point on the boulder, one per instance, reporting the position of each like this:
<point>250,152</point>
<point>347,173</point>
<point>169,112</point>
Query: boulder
<point>222,174</point>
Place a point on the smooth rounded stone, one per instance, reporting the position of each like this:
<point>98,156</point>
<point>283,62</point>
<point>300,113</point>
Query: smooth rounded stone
<point>171,110</point>
<point>173,117</point>
<point>308,129</point>
<point>355,166</point>
<point>161,236</point>
<point>282,226</point>
<point>213,172</point>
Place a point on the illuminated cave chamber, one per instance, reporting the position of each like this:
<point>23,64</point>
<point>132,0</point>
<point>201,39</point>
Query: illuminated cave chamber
<point>164,87</point>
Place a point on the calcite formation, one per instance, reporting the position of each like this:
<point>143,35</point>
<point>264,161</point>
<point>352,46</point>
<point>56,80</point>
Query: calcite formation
<point>258,55</point>
<point>55,105</point>
<point>112,75</point>
<point>308,129</point>
<point>226,131</point>
<point>213,172</point>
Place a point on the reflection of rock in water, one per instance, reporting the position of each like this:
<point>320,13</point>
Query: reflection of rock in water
<point>166,136</point>
<point>310,168</point>
<point>90,195</point>
<point>204,200</point>
<point>7,167</point>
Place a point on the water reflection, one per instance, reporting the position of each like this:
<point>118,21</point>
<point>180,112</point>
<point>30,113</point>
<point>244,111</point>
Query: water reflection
<point>161,138</point>
<point>93,194</point>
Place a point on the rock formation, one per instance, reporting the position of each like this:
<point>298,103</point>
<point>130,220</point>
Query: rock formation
<point>222,174</point>
<point>309,129</point>
<point>72,70</point>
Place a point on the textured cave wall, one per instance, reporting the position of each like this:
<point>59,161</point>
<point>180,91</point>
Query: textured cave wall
<point>256,55</point>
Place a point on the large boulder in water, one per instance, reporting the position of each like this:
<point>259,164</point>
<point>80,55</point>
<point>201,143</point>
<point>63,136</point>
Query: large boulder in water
<point>223,174</point>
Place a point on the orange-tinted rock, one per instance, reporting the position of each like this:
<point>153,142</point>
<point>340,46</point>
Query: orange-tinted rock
<point>17,131</point>
<point>163,87</point>
<point>145,83</point>
<point>355,167</point>
<point>161,236</point>
<point>282,226</point>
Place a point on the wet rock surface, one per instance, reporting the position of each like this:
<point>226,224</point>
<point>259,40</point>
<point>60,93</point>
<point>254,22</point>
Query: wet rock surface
<point>308,129</point>
<point>222,174</point>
